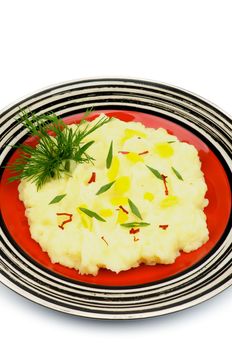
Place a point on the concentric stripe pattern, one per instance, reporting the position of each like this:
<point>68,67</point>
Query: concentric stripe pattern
<point>209,277</point>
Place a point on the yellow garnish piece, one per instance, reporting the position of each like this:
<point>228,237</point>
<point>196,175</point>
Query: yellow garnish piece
<point>106,212</point>
<point>169,201</point>
<point>134,157</point>
<point>122,184</point>
<point>86,221</point>
<point>122,217</point>
<point>114,168</point>
<point>48,221</point>
<point>129,133</point>
<point>148,196</point>
<point>119,201</point>
<point>164,150</point>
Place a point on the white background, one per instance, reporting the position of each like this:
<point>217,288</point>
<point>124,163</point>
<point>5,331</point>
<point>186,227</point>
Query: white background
<point>184,43</point>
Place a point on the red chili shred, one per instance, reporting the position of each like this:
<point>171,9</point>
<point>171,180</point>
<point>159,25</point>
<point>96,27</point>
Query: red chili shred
<point>140,154</point>
<point>165,184</point>
<point>92,178</point>
<point>103,238</point>
<point>133,231</point>
<point>145,152</point>
<point>123,152</point>
<point>164,227</point>
<point>123,209</point>
<point>65,221</point>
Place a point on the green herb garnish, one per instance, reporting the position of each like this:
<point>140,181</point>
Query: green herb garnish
<point>109,156</point>
<point>92,214</point>
<point>171,141</point>
<point>135,224</point>
<point>88,112</point>
<point>134,209</point>
<point>177,174</point>
<point>57,199</point>
<point>53,155</point>
<point>105,188</point>
<point>155,172</point>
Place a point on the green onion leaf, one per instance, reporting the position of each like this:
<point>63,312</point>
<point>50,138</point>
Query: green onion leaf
<point>109,156</point>
<point>177,174</point>
<point>135,224</point>
<point>134,209</point>
<point>92,214</point>
<point>105,188</point>
<point>155,172</point>
<point>82,150</point>
<point>171,141</point>
<point>57,199</point>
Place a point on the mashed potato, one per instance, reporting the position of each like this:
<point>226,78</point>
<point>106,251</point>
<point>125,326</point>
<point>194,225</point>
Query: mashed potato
<point>159,174</point>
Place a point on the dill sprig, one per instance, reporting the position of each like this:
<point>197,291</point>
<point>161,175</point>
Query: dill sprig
<point>58,145</point>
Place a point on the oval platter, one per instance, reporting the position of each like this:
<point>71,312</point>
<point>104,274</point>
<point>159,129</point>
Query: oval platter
<point>146,291</point>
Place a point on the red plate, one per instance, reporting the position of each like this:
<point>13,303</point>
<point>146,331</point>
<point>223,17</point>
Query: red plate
<point>217,212</point>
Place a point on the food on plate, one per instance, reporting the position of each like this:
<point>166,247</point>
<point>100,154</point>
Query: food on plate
<point>111,194</point>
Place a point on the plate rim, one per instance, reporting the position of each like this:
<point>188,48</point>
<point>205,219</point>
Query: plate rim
<point>129,80</point>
